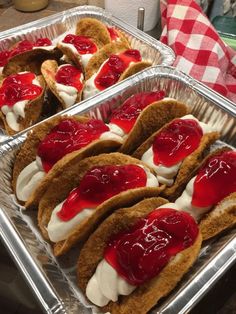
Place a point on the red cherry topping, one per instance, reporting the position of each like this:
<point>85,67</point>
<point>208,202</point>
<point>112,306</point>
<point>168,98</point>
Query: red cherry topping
<point>42,42</point>
<point>83,44</point>
<point>4,56</point>
<point>66,137</point>
<point>21,47</point>
<point>175,142</point>
<point>126,115</point>
<point>140,253</point>
<point>69,75</point>
<point>100,184</point>
<point>215,180</point>
<point>113,33</point>
<point>18,87</point>
<point>114,67</point>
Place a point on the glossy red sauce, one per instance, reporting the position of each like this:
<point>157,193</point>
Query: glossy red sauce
<point>178,140</point>
<point>100,184</point>
<point>66,137</point>
<point>113,33</point>
<point>126,115</point>
<point>18,87</point>
<point>83,44</point>
<point>4,56</point>
<point>43,42</point>
<point>22,46</point>
<point>215,180</point>
<point>114,67</point>
<point>70,75</point>
<point>140,253</point>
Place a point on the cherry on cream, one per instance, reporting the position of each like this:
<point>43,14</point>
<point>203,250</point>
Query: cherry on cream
<point>83,44</point>
<point>126,115</point>
<point>66,137</point>
<point>112,69</point>
<point>140,253</point>
<point>175,142</point>
<point>70,75</point>
<point>215,180</point>
<point>99,184</point>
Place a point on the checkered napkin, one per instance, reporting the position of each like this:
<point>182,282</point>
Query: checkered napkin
<point>199,50</point>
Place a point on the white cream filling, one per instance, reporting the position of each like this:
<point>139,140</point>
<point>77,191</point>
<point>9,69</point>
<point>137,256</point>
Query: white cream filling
<point>115,133</point>
<point>106,285</point>
<point>84,58</point>
<point>1,69</point>
<point>59,230</point>
<point>28,179</point>
<point>165,174</point>
<point>17,110</point>
<point>185,200</point>
<point>66,92</point>
<point>45,47</point>
<point>89,87</point>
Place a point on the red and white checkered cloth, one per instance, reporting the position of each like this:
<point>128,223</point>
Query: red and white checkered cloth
<point>199,50</point>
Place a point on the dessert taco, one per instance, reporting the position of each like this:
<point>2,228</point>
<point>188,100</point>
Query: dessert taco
<point>137,256</point>
<point>65,81</point>
<point>92,190</point>
<point>54,145</point>
<point>111,64</point>
<point>175,150</point>
<point>210,195</point>
<point>30,61</point>
<point>21,101</point>
<point>97,30</point>
<point>141,115</point>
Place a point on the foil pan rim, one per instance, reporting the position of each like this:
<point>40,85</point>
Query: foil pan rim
<point>228,252</point>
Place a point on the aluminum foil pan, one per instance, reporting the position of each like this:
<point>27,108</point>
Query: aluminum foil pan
<point>56,25</point>
<point>53,280</point>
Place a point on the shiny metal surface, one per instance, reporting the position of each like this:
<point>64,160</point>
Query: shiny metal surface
<point>56,25</point>
<point>54,280</point>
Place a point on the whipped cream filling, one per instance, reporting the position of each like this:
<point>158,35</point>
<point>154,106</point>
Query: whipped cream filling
<point>28,179</point>
<point>106,285</point>
<point>17,110</point>
<point>45,47</point>
<point>59,230</point>
<point>165,174</point>
<point>115,133</point>
<point>84,58</point>
<point>68,93</point>
<point>185,200</point>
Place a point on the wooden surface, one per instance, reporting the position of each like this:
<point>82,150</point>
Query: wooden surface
<point>10,17</point>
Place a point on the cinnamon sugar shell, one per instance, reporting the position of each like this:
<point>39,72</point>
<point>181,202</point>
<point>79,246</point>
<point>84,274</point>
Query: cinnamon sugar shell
<point>49,69</point>
<point>144,297</point>
<point>71,178</point>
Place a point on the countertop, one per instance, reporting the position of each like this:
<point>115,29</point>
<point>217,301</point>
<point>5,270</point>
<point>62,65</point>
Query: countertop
<point>222,297</point>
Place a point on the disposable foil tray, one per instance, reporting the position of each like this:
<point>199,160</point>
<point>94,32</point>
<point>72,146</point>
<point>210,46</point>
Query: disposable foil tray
<point>53,280</point>
<point>56,25</point>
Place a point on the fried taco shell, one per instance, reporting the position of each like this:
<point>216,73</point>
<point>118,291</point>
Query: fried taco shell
<point>33,110</point>
<point>28,152</point>
<point>71,178</point>
<point>151,119</point>
<point>190,163</point>
<point>144,297</point>
<point>30,61</point>
<point>49,69</point>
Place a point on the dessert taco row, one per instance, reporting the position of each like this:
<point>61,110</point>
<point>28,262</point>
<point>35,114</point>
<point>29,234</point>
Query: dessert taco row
<point>78,66</point>
<point>111,175</point>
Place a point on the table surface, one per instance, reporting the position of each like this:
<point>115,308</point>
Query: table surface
<point>222,297</point>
